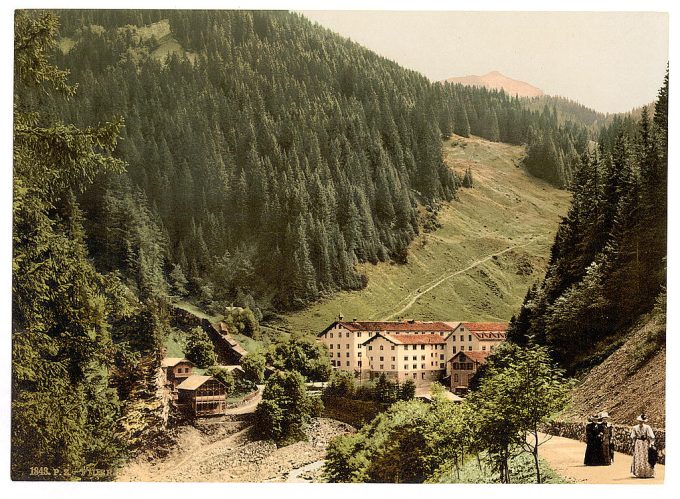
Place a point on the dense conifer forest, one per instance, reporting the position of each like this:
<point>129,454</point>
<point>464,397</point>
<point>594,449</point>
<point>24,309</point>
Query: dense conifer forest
<point>269,155</point>
<point>608,261</point>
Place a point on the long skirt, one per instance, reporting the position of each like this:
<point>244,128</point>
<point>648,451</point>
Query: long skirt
<point>641,467</point>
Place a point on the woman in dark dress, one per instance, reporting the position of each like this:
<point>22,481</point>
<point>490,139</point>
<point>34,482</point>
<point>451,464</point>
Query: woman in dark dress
<point>593,442</point>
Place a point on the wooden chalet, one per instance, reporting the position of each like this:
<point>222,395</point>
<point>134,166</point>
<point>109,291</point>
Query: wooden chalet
<point>228,350</point>
<point>176,370</point>
<point>202,396</point>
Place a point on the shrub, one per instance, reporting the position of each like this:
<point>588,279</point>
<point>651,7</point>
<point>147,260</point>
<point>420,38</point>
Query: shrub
<point>200,349</point>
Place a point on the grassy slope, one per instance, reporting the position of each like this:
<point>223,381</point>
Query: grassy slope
<point>506,209</point>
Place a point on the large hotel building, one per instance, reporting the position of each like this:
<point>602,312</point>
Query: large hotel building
<point>406,349</point>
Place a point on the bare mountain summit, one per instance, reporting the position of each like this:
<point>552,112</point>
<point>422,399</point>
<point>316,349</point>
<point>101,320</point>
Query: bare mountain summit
<point>496,80</point>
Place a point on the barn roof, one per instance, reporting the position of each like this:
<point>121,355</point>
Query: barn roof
<point>193,382</point>
<point>173,361</point>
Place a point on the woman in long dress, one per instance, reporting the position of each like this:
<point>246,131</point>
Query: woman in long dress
<point>592,442</point>
<point>643,438</point>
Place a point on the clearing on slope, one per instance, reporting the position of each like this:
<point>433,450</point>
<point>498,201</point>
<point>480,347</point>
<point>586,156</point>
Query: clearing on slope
<point>493,243</point>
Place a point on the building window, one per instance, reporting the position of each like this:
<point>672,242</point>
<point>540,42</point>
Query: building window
<point>382,358</point>
<point>405,357</point>
<point>415,366</point>
<point>348,363</point>
<point>382,367</point>
<point>331,335</point>
<point>422,366</point>
<point>455,378</point>
<point>359,363</point>
<point>347,354</point>
<point>393,359</point>
<point>454,348</point>
<point>422,357</point>
<point>483,348</point>
<point>371,358</point>
<point>462,338</point>
<point>422,347</point>
<point>415,357</point>
<point>405,367</point>
<point>441,365</point>
<point>339,354</point>
<point>381,347</point>
<point>422,376</point>
<point>393,367</point>
<point>469,337</point>
<point>359,334</point>
<point>347,335</point>
<point>470,348</point>
<point>415,375</point>
<point>338,346</point>
<point>370,347</point>
<point>359,354</point>
<point>331,346</point>
<point>441,356</point>
<point>392,347</point>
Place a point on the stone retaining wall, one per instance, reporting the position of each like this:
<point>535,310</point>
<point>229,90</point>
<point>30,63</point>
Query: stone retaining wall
<point>621,437</point>
<point>243,401</point>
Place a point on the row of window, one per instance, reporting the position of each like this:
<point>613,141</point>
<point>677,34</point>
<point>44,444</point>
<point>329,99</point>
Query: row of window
<point>461,366</point>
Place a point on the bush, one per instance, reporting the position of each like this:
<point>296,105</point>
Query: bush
<point>253,366</point>
<point>200,349</point>
<point>286,408</point>
<point>241,321</point>
<point>304,355</point>
<point>341,384</point>
<point>224,377</point>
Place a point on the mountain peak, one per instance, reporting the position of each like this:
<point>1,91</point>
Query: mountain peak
<point>497,80</point>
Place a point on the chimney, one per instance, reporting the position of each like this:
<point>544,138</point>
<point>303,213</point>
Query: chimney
<point>340,317</point>
<point>354,320</point>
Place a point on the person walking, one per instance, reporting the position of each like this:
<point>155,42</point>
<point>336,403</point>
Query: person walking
<point>593,442</point>
<point>643,439</point>
<point>607,439</point>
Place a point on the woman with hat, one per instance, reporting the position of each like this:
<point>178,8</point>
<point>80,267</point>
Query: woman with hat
<point>607,437</point>
<point>643,438</point>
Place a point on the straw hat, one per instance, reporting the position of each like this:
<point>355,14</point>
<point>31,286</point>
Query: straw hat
<point>642,418</point>
<point>604,415</point>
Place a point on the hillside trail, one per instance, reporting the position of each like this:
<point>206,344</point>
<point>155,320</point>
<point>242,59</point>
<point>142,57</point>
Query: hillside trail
<point>565,456</point>
<point>437,281</point>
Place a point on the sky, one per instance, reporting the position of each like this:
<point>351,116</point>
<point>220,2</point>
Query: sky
<point>609,61</point>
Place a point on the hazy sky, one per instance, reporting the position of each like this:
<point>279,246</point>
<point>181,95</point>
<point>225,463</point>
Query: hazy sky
<point>610,61</point>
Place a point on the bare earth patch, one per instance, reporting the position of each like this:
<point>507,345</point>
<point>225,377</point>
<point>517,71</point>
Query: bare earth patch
<point>224,451</point>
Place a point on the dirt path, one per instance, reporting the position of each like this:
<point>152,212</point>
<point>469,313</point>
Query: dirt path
<point>565,456</point>
<point>440,280</point>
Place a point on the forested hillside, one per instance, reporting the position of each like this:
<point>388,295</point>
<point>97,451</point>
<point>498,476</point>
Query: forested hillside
<point>608,261</point>
<point>268,155</point>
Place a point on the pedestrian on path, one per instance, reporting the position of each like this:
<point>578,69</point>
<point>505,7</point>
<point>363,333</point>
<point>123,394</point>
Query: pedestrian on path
<point>607,439</point>
<point>593,441</point>
<point>643,440</point>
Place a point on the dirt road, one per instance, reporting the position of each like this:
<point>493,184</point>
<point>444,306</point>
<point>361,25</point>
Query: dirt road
<point>565,456</point>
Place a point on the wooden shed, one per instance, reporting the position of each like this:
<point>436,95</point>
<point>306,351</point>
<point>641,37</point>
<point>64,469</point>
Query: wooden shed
<point>202,396</point>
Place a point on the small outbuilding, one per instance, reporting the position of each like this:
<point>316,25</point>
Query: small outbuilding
<point>464,365</point>
<point>202,396</point>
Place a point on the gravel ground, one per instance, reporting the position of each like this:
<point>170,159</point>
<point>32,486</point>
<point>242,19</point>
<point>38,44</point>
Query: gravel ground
<point>223,451</point>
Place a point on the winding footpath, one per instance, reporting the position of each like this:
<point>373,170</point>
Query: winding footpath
<point>565,456</point>
<point>440,280</point>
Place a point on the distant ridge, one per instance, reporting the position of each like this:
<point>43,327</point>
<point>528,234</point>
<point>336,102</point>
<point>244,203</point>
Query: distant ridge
<point>496,80</point>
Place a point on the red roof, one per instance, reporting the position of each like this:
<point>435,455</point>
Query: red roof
<point>474,356</point>
<point>410,339</point>
<point>486,326</point>
<point>400,326</point>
